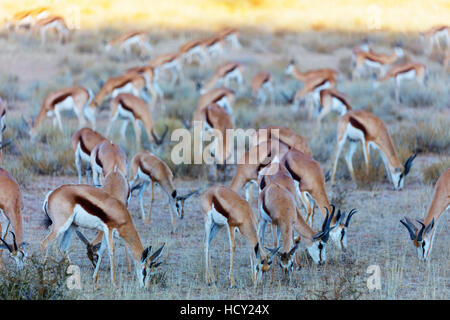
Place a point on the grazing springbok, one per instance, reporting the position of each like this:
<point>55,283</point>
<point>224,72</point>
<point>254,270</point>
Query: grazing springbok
<point>26,19</point>
<point>11,205</point>
<point>277,205</point>
<point>130,82</point>
<point>310,188</point>
<point>105,158</point>
<point>223,75</point>
<point>129,108</point>
<point>369,60</point>
<point>71,206</point>
<point>405,71</point>
<point>230,35</point>
<point>362,126</point>
<point>307,76</point>
<point>127,40</point>
<point>168,62</point>
<point>423,238</point>
<point>435,36</point>
<point>148,168</point>
<point>221,207</point>
<point>149,73</point>
<point>222,96</point>
<point>56,23</point>
<point>76,99</point>
<point>261,82</point>
<point>192,49</point>
<point>332,100</point>
<point>83,142</point>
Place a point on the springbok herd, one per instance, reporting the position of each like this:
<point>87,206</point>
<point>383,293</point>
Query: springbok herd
<point>297,181</point>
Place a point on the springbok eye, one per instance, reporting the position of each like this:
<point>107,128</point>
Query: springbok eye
<point>320,246</point>
<point>423,244</point>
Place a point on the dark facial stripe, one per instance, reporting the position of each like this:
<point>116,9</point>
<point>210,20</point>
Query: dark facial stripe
<point>92,208</point>
<point>219,207</point>
<point>358,125</point>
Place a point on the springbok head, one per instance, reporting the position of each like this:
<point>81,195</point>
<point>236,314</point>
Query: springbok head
<point>339,233</point>
<point>262,263</point>
<point>399,174</point>
<point>91,249</point>
<point>422,238</point>
<point>286,259</point>
<point>149,262</point>
<point>179,201</point>
<point>17,252</point>
<point>317,248</point>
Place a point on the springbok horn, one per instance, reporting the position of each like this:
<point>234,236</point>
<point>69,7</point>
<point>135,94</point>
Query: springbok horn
<point>324,224</point>
<point>6,244</point>
<point>408,164</point>
<point>161,140</point>
<point>190,194</point>
<point>4,128</point>
<point>14,241</point>
<point>350,215</point>
<point>420,234</point>
<point>157,253</point>
<point>412,233</point>
<point>286,97</point>
<point>327,175</point>
<point>82,237</point>
<point>272,252</point>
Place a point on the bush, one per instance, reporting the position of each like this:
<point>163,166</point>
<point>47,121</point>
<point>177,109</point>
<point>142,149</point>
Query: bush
<point>432,173</point>
<point>36,281</point>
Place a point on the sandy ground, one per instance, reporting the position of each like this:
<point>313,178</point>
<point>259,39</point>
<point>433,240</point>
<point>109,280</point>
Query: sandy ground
<point>375,237</point>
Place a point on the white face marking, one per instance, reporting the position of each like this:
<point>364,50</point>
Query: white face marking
<point>316,253</point>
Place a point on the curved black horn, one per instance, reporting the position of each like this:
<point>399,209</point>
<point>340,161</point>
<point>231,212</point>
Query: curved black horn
<point>412,232</point>
<point>430,226</point>
<point>190,194</point>
<point>6,244</point>
<point>350,215</point>
<point>14,241</point>
<point>408,164</point>
<point>136,187</point>
<point>295,247</point>
<point>161,140</point>
<point>272,252</point>
<point>422,229</point>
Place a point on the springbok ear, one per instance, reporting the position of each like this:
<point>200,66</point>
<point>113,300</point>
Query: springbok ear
<point>257,252</point>
<point>157,253</point>
<point>430,226</point>
<point>145,253</point>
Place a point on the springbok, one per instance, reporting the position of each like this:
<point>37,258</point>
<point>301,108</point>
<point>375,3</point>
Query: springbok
<point>148,168</point>
<point>71,98</point>
<point>71,206</point>
<point>423,238</point>
<point>11,205</point>
<point>362,126</point>
<point>221,207</point>
<point>83,142</point>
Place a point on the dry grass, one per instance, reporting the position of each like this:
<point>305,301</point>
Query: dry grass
<point>375,236</point>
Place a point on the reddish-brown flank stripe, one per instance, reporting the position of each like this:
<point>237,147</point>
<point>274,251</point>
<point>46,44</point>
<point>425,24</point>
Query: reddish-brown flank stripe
<point>83,146</point>
<point>61,98</point>
<point>97,160</point>
<point>219,207</point>
<point>358,125</point>
<point>92,208</point>
<point>293,174</point>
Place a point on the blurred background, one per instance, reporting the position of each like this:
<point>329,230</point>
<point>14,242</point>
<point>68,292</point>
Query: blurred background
<point>269,15</point>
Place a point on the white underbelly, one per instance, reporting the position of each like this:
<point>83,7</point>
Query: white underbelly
<point>124,113</point>
<point>410,75</point>
<point>142,175</point>
<point>338,106</point>
<point>372,64</point>
<point>84,156</point>
<point>353,133</point>
<point>217,217</point>
<point>86,220</point>
<point>66,104</point>
<point>127,88</point>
